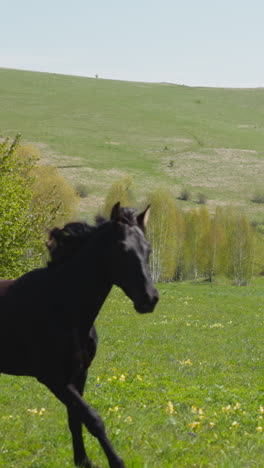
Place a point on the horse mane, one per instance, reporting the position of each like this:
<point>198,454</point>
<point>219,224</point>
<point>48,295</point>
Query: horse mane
<point>63,242</point>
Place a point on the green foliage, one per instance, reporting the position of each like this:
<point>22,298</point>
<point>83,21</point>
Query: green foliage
<point>240,246</point>
<point>82,190</point>
<point>196,244</point>
<point>185,194</point>
<point>120,191</point>
<point>54,200</point>
<point>161,233</point>
<point>258,197</point>
<point>201,198</point>
<point>32,199</point>
<point>16,218</point>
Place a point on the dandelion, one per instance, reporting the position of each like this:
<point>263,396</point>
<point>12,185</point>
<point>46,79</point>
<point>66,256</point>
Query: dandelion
<point>36,411</point>
<point>170,408</point>
<point>237,406</point>
<point>216,325</point>
<point>261,409</point>
<point>194,425</point>
<point>194,409</point>
<point>128,419</point>
<point>97,379</point>
<point>234,424</point>
<point>116,408</point>
<point>259,429</point>
<point>139,377</point>
<point>211,424</point>
<point>187,362</point>
<point>227,408</point>
<point>122,378</point>
<point>33,411</point>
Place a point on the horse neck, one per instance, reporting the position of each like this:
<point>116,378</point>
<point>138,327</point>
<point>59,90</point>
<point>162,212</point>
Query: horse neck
<point>85,279</point>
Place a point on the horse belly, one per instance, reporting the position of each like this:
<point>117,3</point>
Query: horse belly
<point>16,360</point>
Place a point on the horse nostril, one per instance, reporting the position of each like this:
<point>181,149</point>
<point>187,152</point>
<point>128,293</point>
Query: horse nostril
<point>155,298</point>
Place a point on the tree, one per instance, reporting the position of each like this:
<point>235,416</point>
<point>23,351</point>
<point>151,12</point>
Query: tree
<point>240,248</point>
<point>25,211</point>
<point>161,232</point>
<point>120,191</point>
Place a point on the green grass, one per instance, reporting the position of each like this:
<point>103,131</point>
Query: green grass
<point>97,131</point>
<point>201,350</point>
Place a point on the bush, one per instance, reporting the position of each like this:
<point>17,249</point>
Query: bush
<point>185,194</point>
<point>201,199</point>
<point>82,190</point>
<point>258,197</point>
<point>32,199</point>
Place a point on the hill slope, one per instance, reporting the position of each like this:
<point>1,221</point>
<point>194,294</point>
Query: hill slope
<point>210,140</point>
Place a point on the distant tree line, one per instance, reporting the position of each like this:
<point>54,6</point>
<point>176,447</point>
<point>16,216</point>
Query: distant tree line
<point>195,244</point>
<point>33,198</point>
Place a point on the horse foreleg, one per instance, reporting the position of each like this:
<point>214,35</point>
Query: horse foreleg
<point>75,425</point>
<point>89,417</point>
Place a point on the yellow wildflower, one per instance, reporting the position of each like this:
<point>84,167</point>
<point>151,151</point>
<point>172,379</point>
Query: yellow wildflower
<point>33,411</point>
<point>122,378</point>
<point>170,408</point>
<point>259,428</point>
<point>194,425</point>
<point>234,424</point>
<point>227,408</point>
<point>261,409</point>
<point>187,362</point>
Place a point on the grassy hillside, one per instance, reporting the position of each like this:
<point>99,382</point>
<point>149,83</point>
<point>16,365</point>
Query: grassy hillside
<point>210,140</point>
<point>182,387</point>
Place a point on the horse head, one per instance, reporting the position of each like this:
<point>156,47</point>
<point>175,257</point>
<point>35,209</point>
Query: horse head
<point>130,258</point>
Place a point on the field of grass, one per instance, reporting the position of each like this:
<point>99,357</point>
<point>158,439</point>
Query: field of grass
<point>207,139</point>
<point>182,387</point>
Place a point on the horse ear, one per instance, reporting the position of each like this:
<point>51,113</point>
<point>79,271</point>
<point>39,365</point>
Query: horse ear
<point>142,218</point>
<point>115,213</point>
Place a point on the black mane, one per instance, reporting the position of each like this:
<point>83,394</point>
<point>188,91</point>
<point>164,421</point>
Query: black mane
<point>65,241</point>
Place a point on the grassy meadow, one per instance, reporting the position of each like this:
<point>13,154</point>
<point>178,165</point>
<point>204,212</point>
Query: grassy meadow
<point>96,131</point>
<point>182,387</point>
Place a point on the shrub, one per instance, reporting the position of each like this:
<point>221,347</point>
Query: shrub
<point>185,194</point>
<point>82,190</point>
<point>258,197</point>
<point>201,199</point>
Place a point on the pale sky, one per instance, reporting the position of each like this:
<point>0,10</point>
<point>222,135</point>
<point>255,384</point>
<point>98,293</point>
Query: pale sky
<point>191,42</point>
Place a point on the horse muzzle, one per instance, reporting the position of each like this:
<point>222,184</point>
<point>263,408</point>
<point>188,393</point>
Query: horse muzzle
<point>148,305</point>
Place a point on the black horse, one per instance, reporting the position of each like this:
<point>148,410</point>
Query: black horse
<point>48,314</point>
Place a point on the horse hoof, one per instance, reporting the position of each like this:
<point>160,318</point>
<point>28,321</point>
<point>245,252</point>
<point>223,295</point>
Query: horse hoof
<point>86,463</point>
